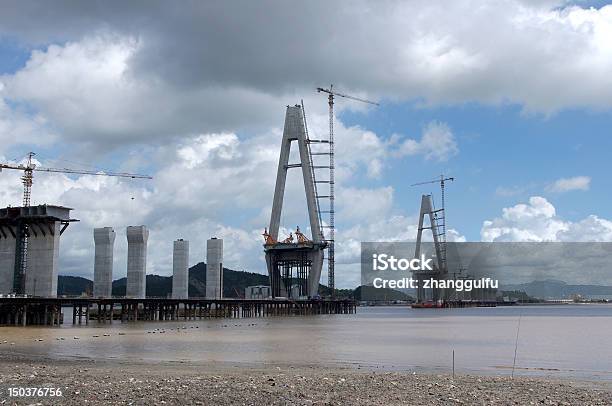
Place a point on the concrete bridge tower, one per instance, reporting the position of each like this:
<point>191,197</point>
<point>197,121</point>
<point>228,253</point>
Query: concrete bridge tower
<point>214,268</point>
<point>104,240</point>
<point>298,263</point>
<point>137,237</point>
<point>180,270</point>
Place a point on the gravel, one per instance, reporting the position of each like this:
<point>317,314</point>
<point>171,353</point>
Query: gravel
<point>115,383</point>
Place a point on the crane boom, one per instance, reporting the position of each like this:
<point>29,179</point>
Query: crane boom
<point>28,176</point>
<point>433,181</point>
<point>332,92</point>
<point>76,171</point>
<point>94,173</point>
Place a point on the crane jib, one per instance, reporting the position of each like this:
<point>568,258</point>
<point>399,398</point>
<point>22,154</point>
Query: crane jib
<point>27,178</point>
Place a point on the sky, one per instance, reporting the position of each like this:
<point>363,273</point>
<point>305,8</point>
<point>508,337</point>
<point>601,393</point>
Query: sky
<point>512,98</point>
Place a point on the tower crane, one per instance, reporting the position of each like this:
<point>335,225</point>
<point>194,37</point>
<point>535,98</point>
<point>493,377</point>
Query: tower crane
<point>27,179</point>
<point>441,181</point>
<point>29,168</point>
<point>331,93</point>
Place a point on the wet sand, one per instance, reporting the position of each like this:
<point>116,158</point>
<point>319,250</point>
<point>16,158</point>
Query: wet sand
<point>114,382</point>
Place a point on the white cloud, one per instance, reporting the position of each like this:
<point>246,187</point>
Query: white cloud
<point>88,90</point>
<point>569,184</point>
<point>437,143</point>
<point>538,221</point>
<point>365,204</point>
<point>114,79</point>
<point>20,128</point>
<point>592,228</point>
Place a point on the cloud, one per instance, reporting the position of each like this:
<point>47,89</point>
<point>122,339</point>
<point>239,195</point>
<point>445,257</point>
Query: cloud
<point>437,143</point>
<point>538,221</point>
<point>591,228</point>
<point>507,51</point>
<point>125,76</point>
<point>20,128</point>
<point>569,184</point>
<point>365,204</point>
<point>89,91</point>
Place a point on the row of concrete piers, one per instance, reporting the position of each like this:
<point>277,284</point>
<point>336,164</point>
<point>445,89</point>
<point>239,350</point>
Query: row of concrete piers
<point>47,311</point>
<point>195,310</point>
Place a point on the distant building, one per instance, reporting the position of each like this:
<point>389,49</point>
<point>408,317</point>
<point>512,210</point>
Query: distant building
<point>257,292</point>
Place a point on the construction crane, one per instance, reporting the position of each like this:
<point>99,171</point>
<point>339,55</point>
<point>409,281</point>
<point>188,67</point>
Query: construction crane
<point>441,181</point>
<point>440,219</point>
<point>331,93</point>
<point>27,180</point>
<point>29,168</point>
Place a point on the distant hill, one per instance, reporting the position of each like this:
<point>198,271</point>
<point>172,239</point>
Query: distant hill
<point>234,283</point>
<point>73,285</point>
<point>555,289</point>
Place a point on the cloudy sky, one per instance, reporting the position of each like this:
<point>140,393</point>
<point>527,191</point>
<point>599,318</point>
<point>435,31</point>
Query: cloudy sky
<point>513,98</point>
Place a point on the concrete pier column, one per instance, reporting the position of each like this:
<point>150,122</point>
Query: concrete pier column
<point>137,237</point>
<point>7,259</point>
<point>104,239</point>
<point>214,268</point>
<point>43,255</point>
<point>180,269</point>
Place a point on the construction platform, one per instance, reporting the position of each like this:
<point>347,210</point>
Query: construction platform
<point>24,311</point>
<point>29,239</point>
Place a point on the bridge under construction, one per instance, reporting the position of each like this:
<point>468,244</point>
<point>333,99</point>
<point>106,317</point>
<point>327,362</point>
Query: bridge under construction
<point>23,311</point>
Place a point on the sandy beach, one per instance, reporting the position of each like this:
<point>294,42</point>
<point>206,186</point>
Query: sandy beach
<point>104,382</point>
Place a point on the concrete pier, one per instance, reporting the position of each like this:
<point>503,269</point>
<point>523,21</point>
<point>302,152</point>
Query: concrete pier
<point>137,237</point>
<point>104,239</point>
<point>214,268</point>
<point>7,258</point>
<point>180,270</point>
<point>43,256</point>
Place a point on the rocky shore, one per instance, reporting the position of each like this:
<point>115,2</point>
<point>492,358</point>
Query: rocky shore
<point>114,383</point>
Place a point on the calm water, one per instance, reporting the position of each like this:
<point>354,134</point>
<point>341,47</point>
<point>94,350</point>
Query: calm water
<point>570,341</point>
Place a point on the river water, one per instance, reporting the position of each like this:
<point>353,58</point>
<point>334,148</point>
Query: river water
<point>565,340</point>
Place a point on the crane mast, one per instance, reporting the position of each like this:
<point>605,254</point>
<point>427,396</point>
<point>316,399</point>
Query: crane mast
<point>27,180</point>
<point>331,225</point>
